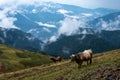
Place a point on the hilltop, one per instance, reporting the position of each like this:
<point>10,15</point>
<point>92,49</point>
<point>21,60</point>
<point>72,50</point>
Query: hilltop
<point>19,59</point>
<point>105,65</point>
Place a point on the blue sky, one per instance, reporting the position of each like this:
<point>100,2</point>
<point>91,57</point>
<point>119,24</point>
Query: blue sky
<point>114,4</point>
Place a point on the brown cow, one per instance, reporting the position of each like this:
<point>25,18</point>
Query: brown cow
<point>82,56</point>
<point>56,59</point>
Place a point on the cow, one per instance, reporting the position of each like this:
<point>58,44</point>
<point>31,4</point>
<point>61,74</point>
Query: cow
<point>56,59</point>
<point>86,55</point>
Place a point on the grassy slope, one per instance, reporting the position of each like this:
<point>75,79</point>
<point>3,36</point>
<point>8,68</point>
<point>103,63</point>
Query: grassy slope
<point>65,69</point>
<point>18,59</point>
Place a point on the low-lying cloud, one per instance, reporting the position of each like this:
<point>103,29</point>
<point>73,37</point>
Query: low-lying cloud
<point>63,11</point>
<point>46,25</point>
<point>87,14</point>
<point>53,38</point>
<point>110,25</point>
<point>70,26</point>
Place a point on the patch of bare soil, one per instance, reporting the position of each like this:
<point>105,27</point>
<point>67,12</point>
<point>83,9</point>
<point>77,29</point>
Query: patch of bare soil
<point>61,78</point>
<point>104,74</point>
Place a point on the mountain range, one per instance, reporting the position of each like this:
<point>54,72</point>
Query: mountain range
<point>44,20</point>
<point>99,42</point>
<point>56,28</point>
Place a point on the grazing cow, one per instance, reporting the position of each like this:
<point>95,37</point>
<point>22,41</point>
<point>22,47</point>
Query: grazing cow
<point>86,55</point>
<point>56,59</point>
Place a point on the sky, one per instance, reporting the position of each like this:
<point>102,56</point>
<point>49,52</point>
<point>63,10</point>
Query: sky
<point>113,4</point>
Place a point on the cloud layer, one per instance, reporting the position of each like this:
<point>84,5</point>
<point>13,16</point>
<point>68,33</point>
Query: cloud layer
<point>46,25</point>
<point>70,26</point>
<point>111,24</point>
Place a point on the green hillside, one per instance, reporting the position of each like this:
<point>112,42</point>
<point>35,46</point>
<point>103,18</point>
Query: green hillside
<point>105,65</point>
<point>15,59</point>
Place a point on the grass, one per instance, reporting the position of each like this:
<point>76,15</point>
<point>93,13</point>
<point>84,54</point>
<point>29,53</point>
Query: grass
<point>19,59</point>
<point>65,69</point>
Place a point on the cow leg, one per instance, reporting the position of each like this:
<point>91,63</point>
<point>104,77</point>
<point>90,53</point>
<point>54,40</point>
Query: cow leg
<point>79,65</point>
<point>87,62</point>
<point>90,60</point>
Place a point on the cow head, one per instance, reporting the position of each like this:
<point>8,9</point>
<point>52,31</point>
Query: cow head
<point>72,57</point>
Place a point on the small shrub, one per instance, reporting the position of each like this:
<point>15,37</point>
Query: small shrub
<point>30,63</point>
<point>1,52</point>
<point>22,55</point>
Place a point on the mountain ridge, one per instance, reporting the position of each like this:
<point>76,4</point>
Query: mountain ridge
<point>19,39</point>
<point>99,42</point>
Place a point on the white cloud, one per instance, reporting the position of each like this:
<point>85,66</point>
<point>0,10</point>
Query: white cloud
<point>34,11</point>
<point>11,3</point>
<point>46,25</point>
<point>83,37</point>
<point>63,11</point>
<point>110,25</point>
<point>46,9</point>
<point>87,14</point>
<point>53,39</point>
<point>84,32</point>
<point>104,24</point>
<point>5,21</point>
<point>32,30</point>
<point>70,26</point>
<point>46,29</point>
<point>30,38</point>
<point>74,17</point>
